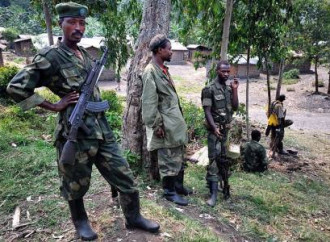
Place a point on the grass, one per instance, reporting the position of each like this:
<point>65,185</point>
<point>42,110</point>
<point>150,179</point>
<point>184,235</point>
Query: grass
<point>273,206</point>
<point>185,87</point>
<point>290,81</point>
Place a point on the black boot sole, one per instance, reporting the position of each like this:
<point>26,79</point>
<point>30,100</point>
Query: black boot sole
<point>132,227</point>
<point>176,202</point>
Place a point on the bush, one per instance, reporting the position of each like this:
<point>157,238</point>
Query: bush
<point>291,74</point>
<point>6,74</point>
<point>9,34</point>
<point>115,102</point>
<point>194,117</point>
<point>115,113</point>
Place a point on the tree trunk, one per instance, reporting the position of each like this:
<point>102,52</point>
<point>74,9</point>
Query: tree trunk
<point>247,92</point>
<point>268,83</point>
<point>48,20</point>
<point>329,83</point>
<point>316,76</point>
<point>226,28</point>
<point>1,58</point>
<point>280,78</point>
<point>155,20</point>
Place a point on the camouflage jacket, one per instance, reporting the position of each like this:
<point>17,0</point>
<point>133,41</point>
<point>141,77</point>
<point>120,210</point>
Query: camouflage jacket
<point>161,108</point>
<point>254,155</point>
<point>219,98</point>
<point>58,69</point>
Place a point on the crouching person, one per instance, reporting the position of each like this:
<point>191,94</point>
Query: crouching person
<point>254,154</point>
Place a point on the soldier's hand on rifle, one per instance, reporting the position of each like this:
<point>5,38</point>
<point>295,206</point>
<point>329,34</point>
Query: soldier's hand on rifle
<point>234,84</point>
<point>217,132</point>
<point>68,99</point>
<point>160,133</point>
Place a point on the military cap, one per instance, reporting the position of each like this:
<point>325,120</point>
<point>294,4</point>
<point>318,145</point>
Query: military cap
<point>157,41</point>
<point>71,9</point>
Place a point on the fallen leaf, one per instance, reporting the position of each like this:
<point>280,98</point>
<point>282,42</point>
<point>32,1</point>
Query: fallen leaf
<point>16,217</point>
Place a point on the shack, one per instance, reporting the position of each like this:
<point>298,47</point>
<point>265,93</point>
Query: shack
<point>238,67</point>
<point>193,48</point>
<point>93,47</point>
<point>294,61</point>
<point>24,46</point>
<point>180,53</point>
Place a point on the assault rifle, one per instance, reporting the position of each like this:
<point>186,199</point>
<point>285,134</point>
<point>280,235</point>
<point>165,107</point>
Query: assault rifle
<point>223,165</point>
<point>83,104</point>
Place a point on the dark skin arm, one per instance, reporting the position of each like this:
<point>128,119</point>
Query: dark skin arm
<point>209,118</point>
<point>68,99</point>
<point>234,101</point>
<point>160,133</point>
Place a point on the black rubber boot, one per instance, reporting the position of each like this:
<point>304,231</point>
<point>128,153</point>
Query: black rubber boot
<point>80,220</point>
<point>214,194</point>
<point>114,192</point>
<point>169,191</point>
<point>179,188</point>
<point>130,204</point>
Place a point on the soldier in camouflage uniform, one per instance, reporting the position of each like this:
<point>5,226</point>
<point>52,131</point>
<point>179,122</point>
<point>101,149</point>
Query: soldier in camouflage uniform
<point>254,154</point>
<point>63,68</point>
<point>165,126</point>
<point>219,101</point>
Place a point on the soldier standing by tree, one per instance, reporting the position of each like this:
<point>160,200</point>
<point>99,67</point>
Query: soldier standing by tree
<point>63,68</point>
<point>165,126</point>
<point>219,101</point>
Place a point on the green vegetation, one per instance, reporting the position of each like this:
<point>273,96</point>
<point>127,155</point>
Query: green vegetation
<point>291,74</point>
<point>6,74</point>
<point>194,117</point>
<point>273,206</point>
<point>115,113</point>
<point>290,81</point>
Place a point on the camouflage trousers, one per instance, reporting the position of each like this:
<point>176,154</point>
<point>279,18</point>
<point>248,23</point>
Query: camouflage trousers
<point>75,180</point>
<point>170,161</point>
<point>216,147</point>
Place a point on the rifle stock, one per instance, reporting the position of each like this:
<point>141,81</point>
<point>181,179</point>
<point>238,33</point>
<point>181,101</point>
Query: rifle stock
<point>76,118</point>
<point>223,166</point>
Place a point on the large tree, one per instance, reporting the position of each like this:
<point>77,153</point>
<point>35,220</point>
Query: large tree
<point>311,30</point>
<point>155,20</point>
<point>48,20</point>
<point>226,30</point>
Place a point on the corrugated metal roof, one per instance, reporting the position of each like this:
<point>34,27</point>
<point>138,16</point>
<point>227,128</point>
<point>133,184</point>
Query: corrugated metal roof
<point>178,46</point>
<point>242,60</point>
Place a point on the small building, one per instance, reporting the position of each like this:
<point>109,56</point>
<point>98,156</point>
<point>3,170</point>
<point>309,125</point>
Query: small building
<point>203,50</point>
<point>93,47</point>
<point>295,61</point>
<point>238,67</point>
<point>23,46</point>
<point>179,55</point>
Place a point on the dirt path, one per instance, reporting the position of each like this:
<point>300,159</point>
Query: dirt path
<point>309,112</point>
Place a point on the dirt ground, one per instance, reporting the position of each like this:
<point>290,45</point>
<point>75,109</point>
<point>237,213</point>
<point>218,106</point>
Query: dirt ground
<point>302,106</point>
<point>310,114</point>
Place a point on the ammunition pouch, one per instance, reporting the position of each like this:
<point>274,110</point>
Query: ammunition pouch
<point>97,107</point>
